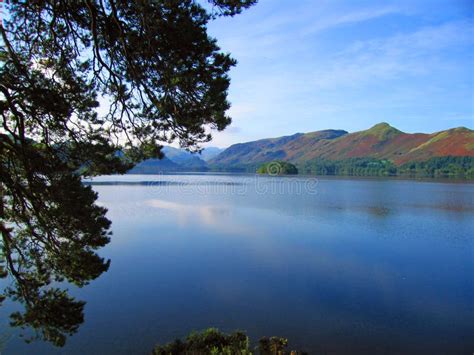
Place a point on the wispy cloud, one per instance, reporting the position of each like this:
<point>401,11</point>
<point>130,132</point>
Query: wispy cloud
<point>310,65</point>
<point>407,54</point>
<point>337,20</point>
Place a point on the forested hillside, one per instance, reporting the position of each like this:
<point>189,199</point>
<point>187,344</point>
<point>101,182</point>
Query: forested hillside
<point>380,150</point>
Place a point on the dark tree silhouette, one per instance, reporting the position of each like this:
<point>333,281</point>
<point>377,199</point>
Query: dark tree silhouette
<point>162,79</point>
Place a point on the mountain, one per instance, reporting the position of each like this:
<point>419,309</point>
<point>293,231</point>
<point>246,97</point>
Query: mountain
<point>184,158</point>
<point>155,166</point>
<point>382,142</point>
<point>174,160</point>
<point>264,150</point>
<point>381,147</point>
<point>210,153</point>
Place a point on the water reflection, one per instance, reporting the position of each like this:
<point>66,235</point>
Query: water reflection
<point>358,267</point>
<point>209,215</point>
<point>51,229</point>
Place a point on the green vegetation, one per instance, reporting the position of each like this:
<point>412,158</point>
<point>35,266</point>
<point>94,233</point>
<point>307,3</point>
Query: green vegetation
<point>438,167</point>
<point>438,137</point>
<point>236,168</point>
<point>350,167</point>
<point>212,341</point>
<point>375,148</point>
<point>382,131</point>
<point>277,167</point>
<point>459,167</point>
<point>162,79</point>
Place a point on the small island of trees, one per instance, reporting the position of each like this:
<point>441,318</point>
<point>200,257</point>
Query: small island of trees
<point>277,167</point>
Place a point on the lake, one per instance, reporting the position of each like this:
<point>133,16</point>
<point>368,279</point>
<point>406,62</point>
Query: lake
<point>336,265</point>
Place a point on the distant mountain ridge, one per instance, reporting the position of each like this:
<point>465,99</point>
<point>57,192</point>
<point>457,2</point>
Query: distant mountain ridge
<point>176,160</point>
<point>184,158</point>
<point>209,153</point>
<point>381,141</point>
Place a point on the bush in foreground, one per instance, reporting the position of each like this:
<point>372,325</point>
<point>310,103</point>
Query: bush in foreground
<point>212,341</point>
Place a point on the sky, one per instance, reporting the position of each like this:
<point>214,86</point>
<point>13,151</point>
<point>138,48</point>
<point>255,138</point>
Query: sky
<point>308,65</point>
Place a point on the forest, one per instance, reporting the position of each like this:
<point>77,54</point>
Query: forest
<point>458,167</point>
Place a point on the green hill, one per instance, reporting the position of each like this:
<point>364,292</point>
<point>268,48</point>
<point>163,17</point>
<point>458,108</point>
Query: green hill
<point>382,146</point>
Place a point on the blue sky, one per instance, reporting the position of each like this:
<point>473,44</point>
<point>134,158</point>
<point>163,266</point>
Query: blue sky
<point>307,65</point>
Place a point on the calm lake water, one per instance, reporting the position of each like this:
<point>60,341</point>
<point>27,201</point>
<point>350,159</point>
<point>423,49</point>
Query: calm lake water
<point>338,266</point>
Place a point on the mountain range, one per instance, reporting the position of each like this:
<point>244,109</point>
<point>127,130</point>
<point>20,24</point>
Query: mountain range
<point>380,142</point>
<point>177,160</point>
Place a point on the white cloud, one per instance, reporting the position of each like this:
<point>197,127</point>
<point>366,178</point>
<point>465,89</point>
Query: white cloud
<point>409,54</point>
<point>312,65</point>
<point>330,22</point>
